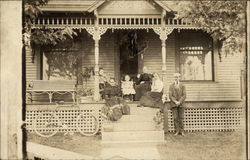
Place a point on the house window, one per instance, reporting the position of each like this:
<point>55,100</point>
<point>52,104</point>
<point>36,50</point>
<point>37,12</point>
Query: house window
<point>195,56</point>
<point>60,64</point>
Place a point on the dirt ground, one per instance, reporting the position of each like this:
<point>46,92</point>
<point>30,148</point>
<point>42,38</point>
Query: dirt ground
<point>194,146</point>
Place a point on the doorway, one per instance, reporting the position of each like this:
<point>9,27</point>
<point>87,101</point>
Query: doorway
<point>132,44</point>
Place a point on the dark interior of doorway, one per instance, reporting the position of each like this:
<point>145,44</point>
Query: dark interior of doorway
<point>128,54</point>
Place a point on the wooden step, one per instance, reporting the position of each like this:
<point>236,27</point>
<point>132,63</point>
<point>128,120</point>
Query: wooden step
<point>142,110</point>
<point>136,118</point>
<point>131,126</point>
<point>121,144</point>
<point>133,136</point>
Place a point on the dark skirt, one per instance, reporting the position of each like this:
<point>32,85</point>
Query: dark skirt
<point>141,89</point>
<point>152,99</point>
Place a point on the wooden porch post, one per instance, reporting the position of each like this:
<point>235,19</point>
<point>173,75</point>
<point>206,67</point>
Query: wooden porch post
<point>163,54</point>
<point>96,38</point>
<point>163,37</point>
<point>96,33</point>
<point>96,83</point>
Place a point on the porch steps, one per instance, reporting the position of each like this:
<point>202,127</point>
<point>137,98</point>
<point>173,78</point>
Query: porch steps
<point>133,126</point>
<point>133,136</point>
<point>136,129</point>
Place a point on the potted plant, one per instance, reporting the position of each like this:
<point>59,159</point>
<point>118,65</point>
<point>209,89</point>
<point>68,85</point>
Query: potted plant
<point>84,93</point>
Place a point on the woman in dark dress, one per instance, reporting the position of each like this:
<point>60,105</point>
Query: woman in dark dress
<point>153,98</point>
<point>144,84</point>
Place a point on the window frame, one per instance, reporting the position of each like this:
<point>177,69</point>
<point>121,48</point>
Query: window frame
<point>178,55</point>
<point>41,69</point>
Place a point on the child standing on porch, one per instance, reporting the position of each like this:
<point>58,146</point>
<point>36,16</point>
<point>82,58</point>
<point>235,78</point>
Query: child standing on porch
<point>128,90</point>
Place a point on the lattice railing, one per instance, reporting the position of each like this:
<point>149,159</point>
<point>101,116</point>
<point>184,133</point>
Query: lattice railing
<point>195,119</point>
<point>67,116</point>
<point>210,119</point>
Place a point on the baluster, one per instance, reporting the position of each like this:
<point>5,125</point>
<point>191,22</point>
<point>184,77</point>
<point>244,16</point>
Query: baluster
<point>181,21</point>
<point>71,20</point>
<point>67,21</point>
<point>43,21</point>
<point>38,21</point>
<point>53,21</point>
<point>57,21</point>
<point>81,21</point>
<point>85,21</point>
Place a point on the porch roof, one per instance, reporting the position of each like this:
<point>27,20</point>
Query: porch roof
<point>69,5</point>
<point>85,5</point>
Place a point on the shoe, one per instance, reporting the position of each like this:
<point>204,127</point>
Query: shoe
<point>182,133</point>
<point>176,133</point>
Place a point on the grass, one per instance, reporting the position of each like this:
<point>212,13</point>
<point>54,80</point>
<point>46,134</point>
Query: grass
<point>204,146</point>
<point>194,146</point>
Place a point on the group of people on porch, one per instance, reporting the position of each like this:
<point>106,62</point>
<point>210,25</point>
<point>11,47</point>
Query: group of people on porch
<point>147,88</point>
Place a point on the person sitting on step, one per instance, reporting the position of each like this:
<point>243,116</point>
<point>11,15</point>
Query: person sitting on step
<point>153,98</point>
<point>127,87</point>
<point>112,89</point>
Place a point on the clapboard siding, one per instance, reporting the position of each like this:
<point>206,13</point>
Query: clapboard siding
<point>227,84</point>
<point>31,67</point>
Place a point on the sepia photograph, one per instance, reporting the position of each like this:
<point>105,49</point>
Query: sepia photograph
<point>124,79</point>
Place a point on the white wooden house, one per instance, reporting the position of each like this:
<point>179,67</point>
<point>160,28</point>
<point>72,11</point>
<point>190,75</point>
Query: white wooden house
<point>214,82</point>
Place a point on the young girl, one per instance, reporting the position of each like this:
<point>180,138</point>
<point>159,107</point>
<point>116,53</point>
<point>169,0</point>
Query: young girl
<point>128,88</point>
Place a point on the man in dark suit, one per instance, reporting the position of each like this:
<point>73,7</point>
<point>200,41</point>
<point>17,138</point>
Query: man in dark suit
<point>177,96</point>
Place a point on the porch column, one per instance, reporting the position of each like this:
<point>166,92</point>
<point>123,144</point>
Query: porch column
<point>96,82</point>
<point>163,32</point>
<point>96,33</point>
<point>163,54</point>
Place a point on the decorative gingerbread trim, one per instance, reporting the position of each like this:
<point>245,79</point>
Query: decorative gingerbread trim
<point>163,32</point>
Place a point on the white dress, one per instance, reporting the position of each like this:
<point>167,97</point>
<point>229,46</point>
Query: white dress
<point>127,87</point>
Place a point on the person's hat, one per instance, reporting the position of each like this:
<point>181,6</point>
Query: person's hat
<point>177,75</point>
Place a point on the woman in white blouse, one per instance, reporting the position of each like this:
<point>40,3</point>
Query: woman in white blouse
<point>154,97</point>
<point>157,84</point>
